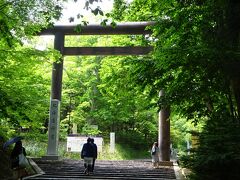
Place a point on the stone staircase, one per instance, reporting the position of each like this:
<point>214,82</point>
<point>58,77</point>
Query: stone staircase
<point>115,170</point>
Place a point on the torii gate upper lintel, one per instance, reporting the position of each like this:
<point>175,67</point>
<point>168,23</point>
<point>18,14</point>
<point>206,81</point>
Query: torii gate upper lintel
<point>96,29</point>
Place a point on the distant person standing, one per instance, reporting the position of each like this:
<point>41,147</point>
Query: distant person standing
<point>95,154</point>
<point>87,155</point>
<point>155,153</point>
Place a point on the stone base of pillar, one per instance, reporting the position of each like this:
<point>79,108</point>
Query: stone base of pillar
<point>51,157</point>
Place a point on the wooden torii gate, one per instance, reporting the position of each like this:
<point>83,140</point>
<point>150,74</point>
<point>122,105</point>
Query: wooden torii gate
<point>56,87</point>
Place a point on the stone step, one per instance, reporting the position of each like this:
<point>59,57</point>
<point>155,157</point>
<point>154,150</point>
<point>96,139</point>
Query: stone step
<point>73,169</point>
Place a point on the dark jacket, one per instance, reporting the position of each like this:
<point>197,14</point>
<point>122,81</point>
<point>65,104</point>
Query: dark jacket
<point>87,150</point>
<point>14,155</point>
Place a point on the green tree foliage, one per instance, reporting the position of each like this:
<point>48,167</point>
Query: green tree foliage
<point>217,156</point>
<point>119,7</point>
<point>128,103</point>
<point>23,87</point>
<point>24,17</point>
<point>195,60</point>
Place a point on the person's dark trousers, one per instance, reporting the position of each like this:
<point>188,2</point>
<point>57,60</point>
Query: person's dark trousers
<point>90,168</point>
<point>93,164</point>
<point>85,166</point>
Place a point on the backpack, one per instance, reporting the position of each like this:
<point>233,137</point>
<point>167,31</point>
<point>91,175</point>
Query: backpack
<point>153,152</point>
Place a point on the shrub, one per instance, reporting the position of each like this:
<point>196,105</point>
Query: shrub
<point>218,154</point>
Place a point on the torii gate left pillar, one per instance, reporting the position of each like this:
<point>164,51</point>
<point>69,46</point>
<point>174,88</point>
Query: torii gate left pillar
<point>56,91</point>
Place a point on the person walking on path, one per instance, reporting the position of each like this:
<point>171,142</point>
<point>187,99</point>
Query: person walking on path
<point>87,155</point>
<point>95,154</point>
<point>155,153</point>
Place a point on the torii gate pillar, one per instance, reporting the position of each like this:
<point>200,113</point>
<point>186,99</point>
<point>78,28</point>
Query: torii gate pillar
<point>164,131</point>
<point>56,91</point>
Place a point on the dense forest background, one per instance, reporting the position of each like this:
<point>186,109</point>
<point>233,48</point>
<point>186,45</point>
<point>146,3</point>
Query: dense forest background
<point>195,60</point>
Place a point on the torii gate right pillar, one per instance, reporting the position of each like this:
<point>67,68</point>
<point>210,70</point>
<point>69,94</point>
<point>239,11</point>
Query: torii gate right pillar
<point>164,131</point>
